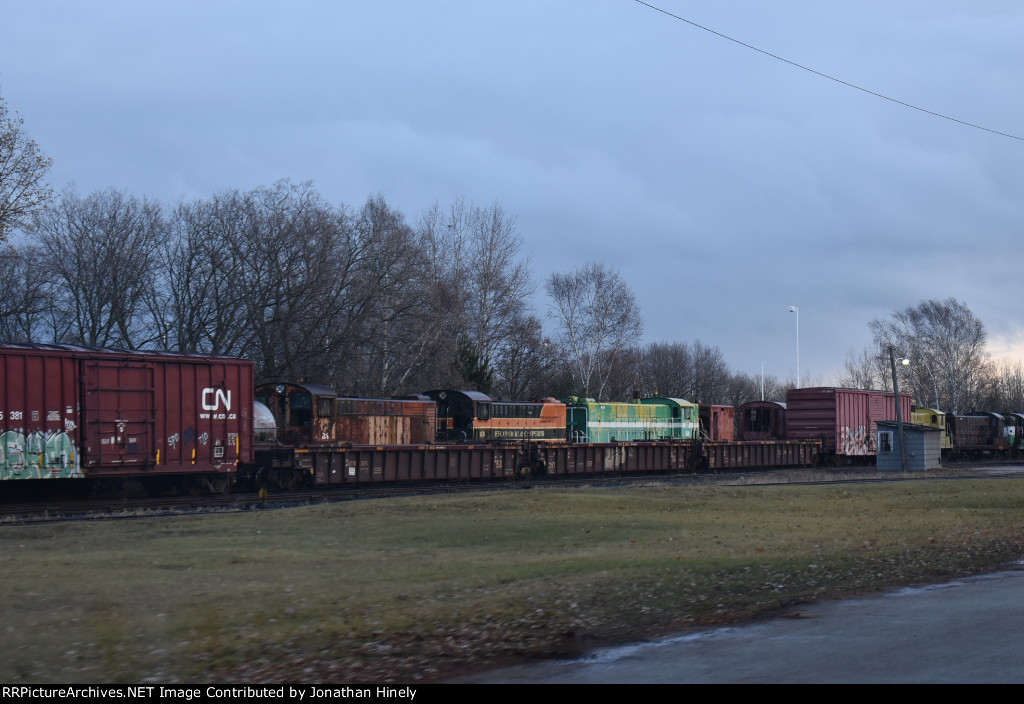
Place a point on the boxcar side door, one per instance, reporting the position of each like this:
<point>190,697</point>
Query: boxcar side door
<point>119,413</point>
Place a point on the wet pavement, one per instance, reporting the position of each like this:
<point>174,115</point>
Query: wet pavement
<point>969,630</point>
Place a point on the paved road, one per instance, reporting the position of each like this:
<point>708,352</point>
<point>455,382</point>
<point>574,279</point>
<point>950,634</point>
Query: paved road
<point>970,630</point>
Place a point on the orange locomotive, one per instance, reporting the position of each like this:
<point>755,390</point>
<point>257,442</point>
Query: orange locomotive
<point>470,416</point>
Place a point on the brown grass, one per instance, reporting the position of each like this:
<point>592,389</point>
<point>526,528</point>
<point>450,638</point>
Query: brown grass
<point>414,588</point>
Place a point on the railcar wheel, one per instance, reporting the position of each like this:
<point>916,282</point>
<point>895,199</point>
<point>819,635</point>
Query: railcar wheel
<point>285,479</point>
<point>193,487</point>
<point>205,484</point>
<point>220,484</point>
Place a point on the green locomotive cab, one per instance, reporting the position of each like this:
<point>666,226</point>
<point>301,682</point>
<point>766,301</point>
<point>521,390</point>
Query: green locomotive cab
<point>644,420</point>
<point>681,418</point>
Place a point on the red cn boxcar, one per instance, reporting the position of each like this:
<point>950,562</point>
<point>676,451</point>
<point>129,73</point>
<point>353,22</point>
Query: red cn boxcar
<point>69,412</point>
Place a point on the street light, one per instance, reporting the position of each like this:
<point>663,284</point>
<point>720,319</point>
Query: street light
<point>794,309</point>
<point>899,411</point>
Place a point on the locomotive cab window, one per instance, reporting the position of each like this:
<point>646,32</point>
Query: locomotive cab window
<point>759,421</point>
<point>300,409</point>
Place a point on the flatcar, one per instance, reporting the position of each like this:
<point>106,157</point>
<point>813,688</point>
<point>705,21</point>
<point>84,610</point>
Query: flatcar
<point>472,416</point>
<point>313,413</point>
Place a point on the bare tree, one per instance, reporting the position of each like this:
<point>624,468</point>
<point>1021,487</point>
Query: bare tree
<point>498,280</point>
<point>528,366</point>
<point>475,260</point>
<point>867,370</point>
<point>197,304</point>
<point>625,380</point>
<point>99,254</point>
<point>946,345</point>
<point>667,370</point>
<point>402,313</point>
<point>598,317</point>
<point>22,170</point>
<point>711,375</point>
<point>24,299</point>
<point>1006,391</point>
<point>298,259</point>
<point>694,371</point>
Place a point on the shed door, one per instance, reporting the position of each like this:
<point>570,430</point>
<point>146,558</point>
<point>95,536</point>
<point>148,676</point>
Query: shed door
<point>119,413</point>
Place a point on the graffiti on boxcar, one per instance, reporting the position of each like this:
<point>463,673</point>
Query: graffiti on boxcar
<point>38,455</point>
<point>855,441</point>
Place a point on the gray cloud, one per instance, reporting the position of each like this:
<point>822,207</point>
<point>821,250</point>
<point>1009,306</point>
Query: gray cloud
<point>724,185</point>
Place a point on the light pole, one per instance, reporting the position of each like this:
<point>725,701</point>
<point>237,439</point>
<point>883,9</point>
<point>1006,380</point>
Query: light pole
<point>899,411</point>
<point>794,309</point>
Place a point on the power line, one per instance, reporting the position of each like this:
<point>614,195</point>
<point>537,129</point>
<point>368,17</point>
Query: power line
<point>831,78</point>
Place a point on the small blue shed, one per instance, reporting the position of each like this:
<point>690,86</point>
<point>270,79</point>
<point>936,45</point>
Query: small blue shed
<point>924,447</point>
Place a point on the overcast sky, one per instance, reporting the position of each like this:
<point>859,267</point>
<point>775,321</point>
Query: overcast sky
<point>723,184</point>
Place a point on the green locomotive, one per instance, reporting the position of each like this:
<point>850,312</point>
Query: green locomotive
<point>647,419</point>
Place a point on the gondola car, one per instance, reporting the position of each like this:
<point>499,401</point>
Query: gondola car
<point>472,416</point>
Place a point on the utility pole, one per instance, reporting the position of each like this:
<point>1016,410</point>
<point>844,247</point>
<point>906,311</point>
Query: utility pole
<point>899,410</point>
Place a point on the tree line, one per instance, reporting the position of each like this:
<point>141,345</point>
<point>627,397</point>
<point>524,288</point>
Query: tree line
<point>353,298</point>
<point>949,367</point>
<point>363,301</point>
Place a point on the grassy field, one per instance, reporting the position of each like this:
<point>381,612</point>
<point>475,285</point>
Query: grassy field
<point>417,588</point>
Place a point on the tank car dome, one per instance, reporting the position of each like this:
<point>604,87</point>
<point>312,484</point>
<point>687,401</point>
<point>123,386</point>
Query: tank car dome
<point>264,426</point>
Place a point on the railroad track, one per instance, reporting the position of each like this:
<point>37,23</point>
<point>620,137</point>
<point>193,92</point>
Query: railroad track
<point>41,511</point>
